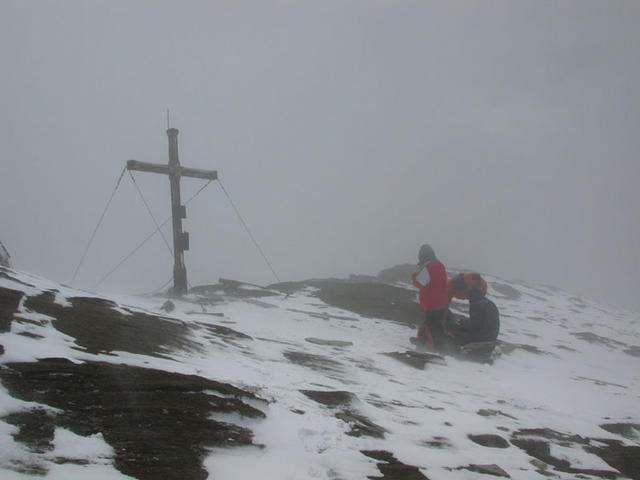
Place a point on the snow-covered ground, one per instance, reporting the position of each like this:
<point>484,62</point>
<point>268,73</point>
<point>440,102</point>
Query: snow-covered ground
<point>567,367</point>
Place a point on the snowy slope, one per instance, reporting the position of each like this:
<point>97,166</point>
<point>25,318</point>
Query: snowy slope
<point>319,390</point>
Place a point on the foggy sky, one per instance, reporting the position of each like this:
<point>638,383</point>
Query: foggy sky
<point>348,133</point>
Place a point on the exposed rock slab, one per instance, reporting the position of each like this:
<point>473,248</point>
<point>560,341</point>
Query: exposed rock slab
<point>36,429</point>
<point>537,443</point>
<point>416,359</point>
<point>360,425</point>
<point>372,300</point>
<point>224,332</point>
<point>9,275</point>
<point>330,398</point>
<point>233,289</point>
<point>492,413</point>
<point>397,273</point>
<point>489,440</point>
<point>369,299</point>
<point>98,327</point>
<point>624,458</point>
<point>438,442</point>
<point>314,362</point>
<point>331,343</point>
<point>391,468</point>
<point>492,469</point>
<point>9,302</point>
<point>627,430</point>
<point>158,423</point>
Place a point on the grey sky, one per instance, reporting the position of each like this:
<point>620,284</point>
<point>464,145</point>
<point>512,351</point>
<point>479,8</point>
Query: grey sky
<point>503,133</point>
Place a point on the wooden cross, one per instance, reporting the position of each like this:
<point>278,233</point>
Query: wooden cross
<point>178,211</point>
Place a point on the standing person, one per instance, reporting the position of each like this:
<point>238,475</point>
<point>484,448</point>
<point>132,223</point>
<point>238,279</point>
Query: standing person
<point>483,324</point>
<point>431,281</point>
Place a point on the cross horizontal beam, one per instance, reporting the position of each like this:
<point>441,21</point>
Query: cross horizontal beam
<point>164,169</point>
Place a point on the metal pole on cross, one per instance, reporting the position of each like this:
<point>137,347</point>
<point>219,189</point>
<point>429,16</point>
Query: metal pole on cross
<point>178,211</point>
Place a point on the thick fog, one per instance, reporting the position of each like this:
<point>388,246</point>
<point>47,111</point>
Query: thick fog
<point>505,134</point>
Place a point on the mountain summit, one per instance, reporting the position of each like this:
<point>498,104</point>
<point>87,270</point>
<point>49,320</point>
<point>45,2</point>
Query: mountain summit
<point>314,379</point>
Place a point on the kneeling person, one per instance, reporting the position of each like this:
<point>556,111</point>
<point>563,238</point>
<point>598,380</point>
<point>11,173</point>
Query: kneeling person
<point>483,324</point>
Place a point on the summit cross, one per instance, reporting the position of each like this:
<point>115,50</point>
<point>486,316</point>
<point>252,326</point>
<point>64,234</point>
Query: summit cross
<point>178,211</point>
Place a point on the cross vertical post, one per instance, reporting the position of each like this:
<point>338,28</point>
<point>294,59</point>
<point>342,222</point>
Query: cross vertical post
<point>178,211</point>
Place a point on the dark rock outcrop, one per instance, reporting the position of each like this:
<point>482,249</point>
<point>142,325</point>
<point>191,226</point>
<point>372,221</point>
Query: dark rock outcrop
<point>330,343</point>
<point>485,412</point>
<point>391,468</point>
<point>330,398</point>
<point>492,469</point>
<point>9,302</point>
<point>489,440</point>
<point>369,299</point>
<point>159,423</point>
<point>624,458</point>
<point>98,327</point>
<point>416,359</point>
<point>36,429</point>
<point>232,288</point>
<point>314,362</point>
<point>627,430</point>
<point>537,443</point>
<point>360,426</point>
<point>397,273</point>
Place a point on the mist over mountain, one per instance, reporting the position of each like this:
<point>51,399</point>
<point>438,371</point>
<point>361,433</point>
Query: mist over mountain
<point>502,133</point>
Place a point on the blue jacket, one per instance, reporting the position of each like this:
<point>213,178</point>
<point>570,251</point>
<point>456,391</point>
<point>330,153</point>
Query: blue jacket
<point>483,324</point>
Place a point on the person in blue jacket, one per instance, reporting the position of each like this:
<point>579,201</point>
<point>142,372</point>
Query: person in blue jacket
<point>483,324</point>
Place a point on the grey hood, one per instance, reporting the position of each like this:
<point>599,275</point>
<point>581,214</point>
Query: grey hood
<point>426,255</point>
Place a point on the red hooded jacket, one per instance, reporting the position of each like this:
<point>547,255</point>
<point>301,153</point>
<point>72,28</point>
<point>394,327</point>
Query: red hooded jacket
<point>431,281</point>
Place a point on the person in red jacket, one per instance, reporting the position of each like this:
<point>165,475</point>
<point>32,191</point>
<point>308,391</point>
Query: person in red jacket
<point>431,281</point>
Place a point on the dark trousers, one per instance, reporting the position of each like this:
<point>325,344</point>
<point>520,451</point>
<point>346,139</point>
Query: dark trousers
<point>461,336</point>
<point>431,331</point>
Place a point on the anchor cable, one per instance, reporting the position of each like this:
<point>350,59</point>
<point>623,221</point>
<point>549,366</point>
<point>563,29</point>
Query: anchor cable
<point>156,290</point>
<point>149,210</point>
<point>95,230</point>
<point>149,237</point>
<point>129,255</point>
<point>249,231</point>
